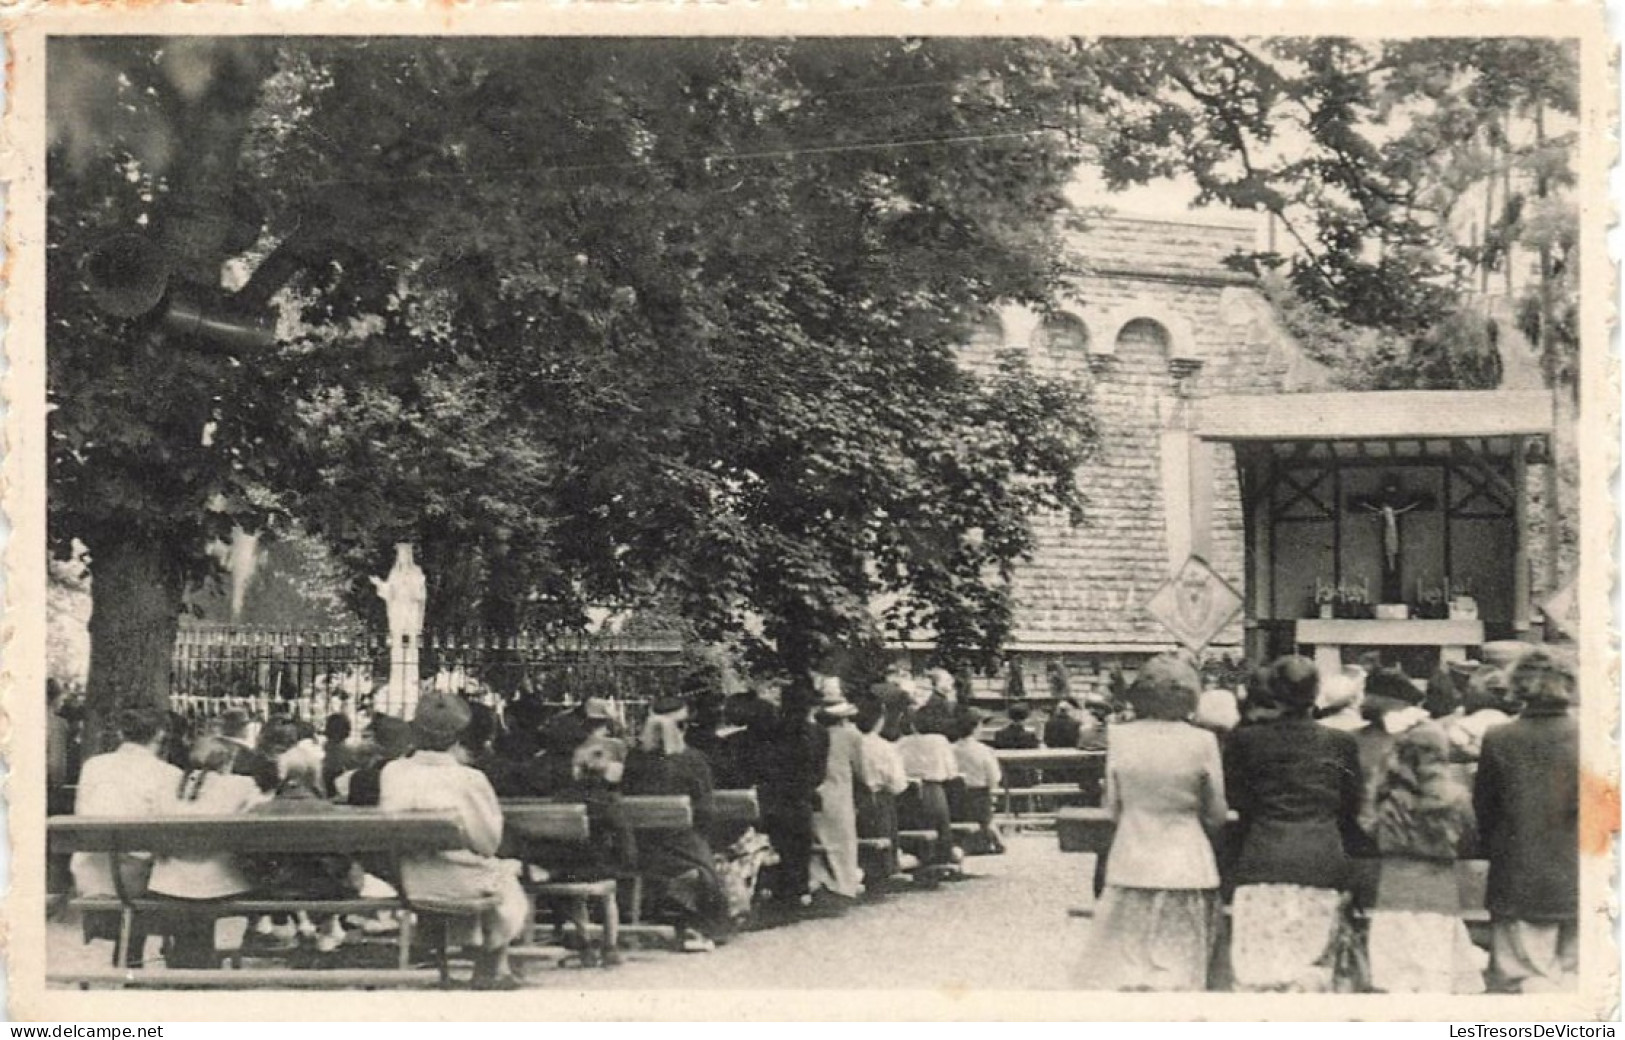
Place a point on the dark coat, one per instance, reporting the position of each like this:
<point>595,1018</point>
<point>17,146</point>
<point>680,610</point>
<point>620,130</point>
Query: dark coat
<point>1062,731</point>
<point>1527,798</point>
<point>1296,787</point>
<point>1014,736</point>
<point>785,760</point>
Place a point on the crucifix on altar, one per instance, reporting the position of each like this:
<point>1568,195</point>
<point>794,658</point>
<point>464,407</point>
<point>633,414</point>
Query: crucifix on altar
<point>1389,506</point>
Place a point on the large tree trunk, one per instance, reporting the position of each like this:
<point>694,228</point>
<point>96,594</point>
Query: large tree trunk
<point>135,611</point>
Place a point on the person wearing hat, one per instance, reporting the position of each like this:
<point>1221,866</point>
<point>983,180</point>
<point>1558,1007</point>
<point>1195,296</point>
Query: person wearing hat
<point>1486,705</point>
<point>1527,798</point>
<point>784,760</point>
<point>433,779</point>
<point>1296,787</point>
<point>1341,699</point>
<point>834,868</point>
<point>390,738</point>
<point>1063,729</point>
<point>679,861</point>
<point>1153,926</point>
<point>883,780</point>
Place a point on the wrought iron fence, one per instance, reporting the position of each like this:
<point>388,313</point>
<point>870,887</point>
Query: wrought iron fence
<point>311,674</point>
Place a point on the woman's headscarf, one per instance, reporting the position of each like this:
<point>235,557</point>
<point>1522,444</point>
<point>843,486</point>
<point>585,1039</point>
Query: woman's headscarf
<point>662,735</point>
<point>1422,806</point>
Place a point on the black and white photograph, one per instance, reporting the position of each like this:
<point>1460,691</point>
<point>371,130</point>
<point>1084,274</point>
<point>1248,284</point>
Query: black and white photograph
<point>1101,519</point>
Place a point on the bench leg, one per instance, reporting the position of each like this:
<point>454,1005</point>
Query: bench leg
<point>575,909</point>
<point>126,932</point>
<point>407,918</point>
<point>612,929</point>
<point>442,950</point>
<point>637,899</point>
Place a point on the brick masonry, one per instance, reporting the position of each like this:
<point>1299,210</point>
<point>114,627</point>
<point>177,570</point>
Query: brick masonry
<point>1156,300</point>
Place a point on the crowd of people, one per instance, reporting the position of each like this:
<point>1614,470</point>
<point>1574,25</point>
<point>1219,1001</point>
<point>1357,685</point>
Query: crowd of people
<point>828,772</point>
<point>1353,799</point>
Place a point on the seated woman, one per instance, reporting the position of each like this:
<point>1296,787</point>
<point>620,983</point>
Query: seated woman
<point>929,762</point>
<point>432,779</point>
<point>876,798</point>
<point>680,860</point>
<point>979,774</point>
<point>208,789</point>
<point>304,875</point>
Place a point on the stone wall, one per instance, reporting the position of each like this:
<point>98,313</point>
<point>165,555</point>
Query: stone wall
<point>1156,321</point>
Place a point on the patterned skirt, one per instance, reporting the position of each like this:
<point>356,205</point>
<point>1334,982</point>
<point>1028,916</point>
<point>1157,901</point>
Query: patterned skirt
<point>1145,939</point>
<point>1417,952</point>
<point>1284,938</point>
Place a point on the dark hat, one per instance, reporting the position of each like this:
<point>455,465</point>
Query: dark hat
<point>668,704</point>
<point>440,719</point>
<point>1541,678</point>
<point>833,702</point>
<point>1020,711</point>
<point>1393,684</point>
<point>1295,682</point>
<point>392,735</point>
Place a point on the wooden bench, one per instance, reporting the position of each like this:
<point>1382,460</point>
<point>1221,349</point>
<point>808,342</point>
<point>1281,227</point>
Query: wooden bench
<point>1091,830</point>
<point>738,806</point>
<point>634,813</point>
<point>1020,763</point>
<point>531,827</point>
<point>349,832</point>
<point>644,813</point>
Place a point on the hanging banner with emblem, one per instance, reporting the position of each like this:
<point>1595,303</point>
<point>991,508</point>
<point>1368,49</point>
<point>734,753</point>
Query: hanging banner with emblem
<point>1195,604</point>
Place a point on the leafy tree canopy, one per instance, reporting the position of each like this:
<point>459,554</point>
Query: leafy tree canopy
<point>1368,154</point>
<point>590,321</point>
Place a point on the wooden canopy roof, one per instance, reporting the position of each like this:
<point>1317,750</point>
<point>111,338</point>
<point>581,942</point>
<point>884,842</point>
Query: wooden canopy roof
<point>1392,426</point>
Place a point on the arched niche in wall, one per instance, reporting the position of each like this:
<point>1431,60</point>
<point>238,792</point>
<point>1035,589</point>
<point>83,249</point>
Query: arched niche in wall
<point>1174,332</point>
<point>1062,332</point>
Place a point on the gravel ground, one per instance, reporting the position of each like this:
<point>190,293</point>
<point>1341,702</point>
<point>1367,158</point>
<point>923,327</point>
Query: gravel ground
<point>1004,927</point>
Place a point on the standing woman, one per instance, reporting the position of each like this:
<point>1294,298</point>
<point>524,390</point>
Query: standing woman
<point>835,824</point>
<point>784,760</point>
<point>1423,816</point>
<point>1527,796</point>
<point>1296,786</point>
<point>1153,928</point>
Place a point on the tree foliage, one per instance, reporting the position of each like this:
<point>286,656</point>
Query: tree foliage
<point>1364,153</point>
<point>592,322</point>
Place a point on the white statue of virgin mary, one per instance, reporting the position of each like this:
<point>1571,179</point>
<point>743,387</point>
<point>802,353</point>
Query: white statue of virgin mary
<point>404,592</point>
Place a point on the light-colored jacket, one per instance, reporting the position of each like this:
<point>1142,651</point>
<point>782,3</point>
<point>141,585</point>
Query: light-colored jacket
<point>1164,785</point>
<point>436,781</point>
<point>206,875</point>
<point>882,766</point>
<point>978,765</point>
<point>131,781</point>
<point>927,757</point>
